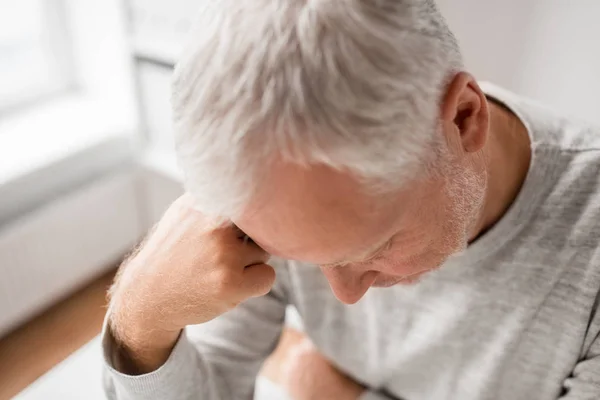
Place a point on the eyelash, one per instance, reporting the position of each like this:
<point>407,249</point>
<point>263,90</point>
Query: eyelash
<point>378,256</point>
<point>373,259</point>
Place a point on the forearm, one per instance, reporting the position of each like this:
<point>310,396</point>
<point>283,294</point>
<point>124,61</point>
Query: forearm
<point>298,367</point>
<point>142,356</point>
<point>219,359</point>
<point>138,347</point>
<point>184,375</point>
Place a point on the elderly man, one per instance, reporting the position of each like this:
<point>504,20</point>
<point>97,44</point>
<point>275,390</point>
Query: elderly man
<point>438,237</point>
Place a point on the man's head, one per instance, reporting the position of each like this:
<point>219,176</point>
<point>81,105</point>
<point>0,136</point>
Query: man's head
<point>335,132</point>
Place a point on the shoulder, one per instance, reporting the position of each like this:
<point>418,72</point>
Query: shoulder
<point>567,151</point>
<point>571,208</point>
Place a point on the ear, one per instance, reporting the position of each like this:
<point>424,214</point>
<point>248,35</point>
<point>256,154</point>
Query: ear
<point>465,114</point>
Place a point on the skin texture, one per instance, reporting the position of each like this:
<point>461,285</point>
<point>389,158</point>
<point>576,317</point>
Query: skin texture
<point>303,373</point>
<point>190,271</point>
<point>298,367</point>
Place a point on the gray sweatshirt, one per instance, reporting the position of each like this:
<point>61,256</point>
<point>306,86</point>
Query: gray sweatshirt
<point>515,317</point>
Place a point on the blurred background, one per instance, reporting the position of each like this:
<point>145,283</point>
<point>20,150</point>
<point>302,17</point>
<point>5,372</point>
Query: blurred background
<point>86,158</point>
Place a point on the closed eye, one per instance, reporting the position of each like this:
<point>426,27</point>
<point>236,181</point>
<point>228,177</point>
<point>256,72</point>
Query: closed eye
<point>376,256</point>
<point>373,259</point>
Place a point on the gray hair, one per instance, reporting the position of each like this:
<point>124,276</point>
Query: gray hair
<point>353,84</point>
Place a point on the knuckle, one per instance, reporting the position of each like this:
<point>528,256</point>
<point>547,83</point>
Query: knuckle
<point>224,283</point>
<point>220,252</point>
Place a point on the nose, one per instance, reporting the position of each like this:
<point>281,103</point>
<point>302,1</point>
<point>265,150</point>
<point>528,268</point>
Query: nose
<point>349,285</point>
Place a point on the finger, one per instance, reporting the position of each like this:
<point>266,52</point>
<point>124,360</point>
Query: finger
<point>240,250</point>
<point>231,231</point>
<point>241,235</point>
<point>257,280</point>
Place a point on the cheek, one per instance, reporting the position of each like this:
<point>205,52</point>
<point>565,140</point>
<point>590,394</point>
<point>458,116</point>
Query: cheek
<point>397,267</point>
<point>426,249</point>
<point>426,228</point>
<point>420,237</point>
<point>442,226</point>
<point>432,234</point>
<point>402,259</point>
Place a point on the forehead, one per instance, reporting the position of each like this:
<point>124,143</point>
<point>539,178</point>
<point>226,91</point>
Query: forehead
<point>318,214</point>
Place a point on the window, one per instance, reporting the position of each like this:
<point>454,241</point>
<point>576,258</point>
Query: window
<point>34,51</point>
<point>67,99</point>
<point>159,28</point>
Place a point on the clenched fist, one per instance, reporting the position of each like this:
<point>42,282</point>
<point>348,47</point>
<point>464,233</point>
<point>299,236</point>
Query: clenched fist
<point>305,374</point>
<point>189,271</point>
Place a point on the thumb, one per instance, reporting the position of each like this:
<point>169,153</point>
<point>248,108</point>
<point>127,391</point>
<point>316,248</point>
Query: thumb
<point>258,279</point>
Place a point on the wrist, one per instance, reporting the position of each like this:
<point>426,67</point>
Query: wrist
<point>141,347</point>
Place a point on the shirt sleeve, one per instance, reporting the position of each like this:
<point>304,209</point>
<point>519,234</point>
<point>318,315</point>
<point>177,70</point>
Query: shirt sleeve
<point>216,360</point>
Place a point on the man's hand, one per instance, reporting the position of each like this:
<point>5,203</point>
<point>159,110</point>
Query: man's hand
<point>305,374</point>
<point>189,271</point>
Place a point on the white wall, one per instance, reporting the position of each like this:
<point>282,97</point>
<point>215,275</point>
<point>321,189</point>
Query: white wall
<point>545,49</point>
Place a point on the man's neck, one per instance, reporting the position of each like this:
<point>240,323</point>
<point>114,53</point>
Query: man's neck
<point>508,155</point>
